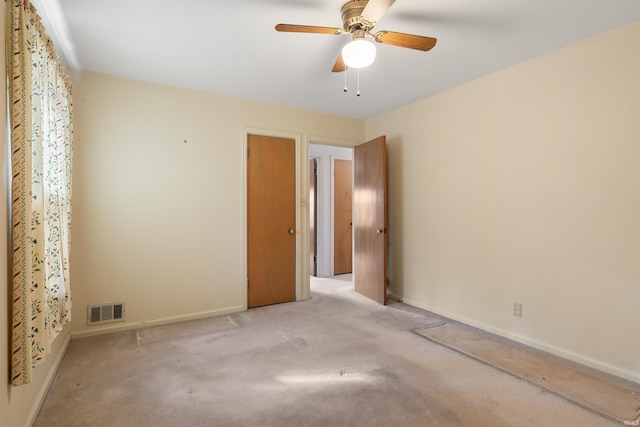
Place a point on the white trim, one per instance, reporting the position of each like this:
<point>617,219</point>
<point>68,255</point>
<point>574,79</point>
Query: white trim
<point>129,326</point>
<point>58,29</point>
<point>321,140</point>
<point>303,285</point>
<point>302,252</point>
<point>51,375</point>
<point>243,255</point>
<point>322,269</point>
<point>319,216</point>
<point>332,214</point>
<point>566,354</point>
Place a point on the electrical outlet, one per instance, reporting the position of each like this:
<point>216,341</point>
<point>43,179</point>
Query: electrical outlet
<point>517,309</point>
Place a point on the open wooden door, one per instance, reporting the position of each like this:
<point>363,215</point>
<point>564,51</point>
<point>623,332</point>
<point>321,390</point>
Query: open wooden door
<point>342,217</point>
<point>370,219</point>
<point>271,220</point>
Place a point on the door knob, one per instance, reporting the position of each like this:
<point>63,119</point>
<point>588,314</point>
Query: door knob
<point>380,230</point>
<point>291,231</point>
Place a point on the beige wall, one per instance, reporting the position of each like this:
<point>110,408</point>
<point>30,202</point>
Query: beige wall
<point>158,223</point>
<point>524,186</point>
<point>18,405</point>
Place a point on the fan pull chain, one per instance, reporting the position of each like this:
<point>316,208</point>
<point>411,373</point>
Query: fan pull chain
<point>358,81</point>
<point>345,79</point>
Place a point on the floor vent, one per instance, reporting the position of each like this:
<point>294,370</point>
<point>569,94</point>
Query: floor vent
<point>105,313</point>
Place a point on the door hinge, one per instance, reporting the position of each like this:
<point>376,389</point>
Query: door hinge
<point>247,151</point>
<point>247,283</point>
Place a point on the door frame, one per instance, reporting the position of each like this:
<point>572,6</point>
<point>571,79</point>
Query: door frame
<point>302,221</point>
<point>321,271</point>
<point>326,170</point>
<point>316,164</point>
<point>318,140</point>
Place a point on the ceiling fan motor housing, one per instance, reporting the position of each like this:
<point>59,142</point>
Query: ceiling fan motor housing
<point>351,15</point>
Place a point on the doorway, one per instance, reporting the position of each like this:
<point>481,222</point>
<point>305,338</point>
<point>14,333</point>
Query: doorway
<point>368,218</point>
<point>333,230</point>
<point>372,237</point>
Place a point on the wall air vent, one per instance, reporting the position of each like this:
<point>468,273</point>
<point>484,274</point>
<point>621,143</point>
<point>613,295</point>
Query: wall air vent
<point>105,313</point>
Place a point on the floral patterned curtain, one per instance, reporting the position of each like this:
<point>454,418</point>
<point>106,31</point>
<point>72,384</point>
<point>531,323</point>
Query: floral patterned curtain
<point>41,135</point>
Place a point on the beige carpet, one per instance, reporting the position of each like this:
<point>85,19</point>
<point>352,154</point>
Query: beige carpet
<point>180,330</point>
<point>335,360</point>
<point>558,376</point>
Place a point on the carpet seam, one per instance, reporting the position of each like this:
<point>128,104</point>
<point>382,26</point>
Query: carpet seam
<point>532,382</point>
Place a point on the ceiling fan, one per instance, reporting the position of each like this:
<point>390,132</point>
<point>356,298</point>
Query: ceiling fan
<point>358,18</point>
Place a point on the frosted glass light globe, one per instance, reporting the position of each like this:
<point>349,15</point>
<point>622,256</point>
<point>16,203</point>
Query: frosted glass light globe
<point>359,53</point>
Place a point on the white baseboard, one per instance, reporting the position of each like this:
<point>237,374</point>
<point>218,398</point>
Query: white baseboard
<point>128,326</point>
<point>561,352</point>
<point>42,394</point>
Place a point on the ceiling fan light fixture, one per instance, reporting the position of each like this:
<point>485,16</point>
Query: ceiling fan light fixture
<point>359,53</point>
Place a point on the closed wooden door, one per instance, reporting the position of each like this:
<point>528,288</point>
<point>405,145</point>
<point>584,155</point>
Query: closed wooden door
<point>370,219</point>
<point>313,217</point>
<point>271,220</point>
<point>342,217</point>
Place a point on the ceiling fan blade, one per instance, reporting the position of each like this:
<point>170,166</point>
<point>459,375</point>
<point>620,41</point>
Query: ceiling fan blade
<point>374,10</point>
<point>410,41</point>
<point>339,66</point>
<point>288,28</point>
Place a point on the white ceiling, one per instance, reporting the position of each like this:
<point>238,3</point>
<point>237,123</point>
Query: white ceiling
<point>230,47</point>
